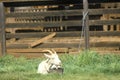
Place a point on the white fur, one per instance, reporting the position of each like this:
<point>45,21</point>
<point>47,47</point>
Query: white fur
<point>43,67</point>
<point>51,62</point>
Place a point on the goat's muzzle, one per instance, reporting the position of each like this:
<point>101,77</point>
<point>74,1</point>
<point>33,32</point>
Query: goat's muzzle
<point>58,70</point>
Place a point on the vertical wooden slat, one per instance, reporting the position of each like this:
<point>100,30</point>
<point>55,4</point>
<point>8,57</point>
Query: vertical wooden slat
<point>86,23</point>
<point>2,30</point>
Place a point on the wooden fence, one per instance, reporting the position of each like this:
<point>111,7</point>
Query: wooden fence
<point>63,40</point>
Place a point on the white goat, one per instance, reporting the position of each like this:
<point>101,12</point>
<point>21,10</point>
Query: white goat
<point>52,62</point>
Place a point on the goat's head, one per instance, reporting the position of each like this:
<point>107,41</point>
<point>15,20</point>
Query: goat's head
<point>53,58</point>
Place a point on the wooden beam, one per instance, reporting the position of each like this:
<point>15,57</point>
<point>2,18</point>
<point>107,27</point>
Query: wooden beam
<point>104,22</point>
<point>65,12</point>
<point>38,55</point>
<point>44,24</point>
<point>66,45</point>
<point>17,3</point>
<point>63,23</point>
<point>2,30</point>
<point>86,23</point>
<point>47,13</point>
<point>35,43</point>
<point>37,50</point>
<point>39,2</point>
<point>62,34</point>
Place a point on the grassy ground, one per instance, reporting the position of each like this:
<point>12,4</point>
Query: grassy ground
<point>84,66</point>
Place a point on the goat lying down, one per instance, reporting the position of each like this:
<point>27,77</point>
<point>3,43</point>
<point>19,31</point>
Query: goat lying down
<point>51,63</point>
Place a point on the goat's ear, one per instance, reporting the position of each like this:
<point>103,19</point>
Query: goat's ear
<point>48,56</point>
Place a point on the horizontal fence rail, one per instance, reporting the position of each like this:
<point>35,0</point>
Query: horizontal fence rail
<point>14,3</point>
<point>62,34</point>
<point>64,13</point>
<point>65,45</point>
<point>63,23</point>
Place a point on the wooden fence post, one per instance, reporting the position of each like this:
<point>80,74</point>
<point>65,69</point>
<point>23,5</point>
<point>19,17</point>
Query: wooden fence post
<point>2,30</point>
<point>86,23</point>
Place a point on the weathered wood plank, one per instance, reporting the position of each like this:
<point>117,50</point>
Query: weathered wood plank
<point>75,44</point>
<point>17,0</point>
<point>2,30</point>
<point>86,23</point>
<point>104,22</point>
<point>62,1</point>
<point>62,34</point>
<point>37,55</point>
<point>39,2</point>
<point>100,1</point>
<point>66,45</point>
<point>37,50</point>
<point>35,43</point>
<point>65,12</point>
<point>45,24</point>
<point>63,23</point>
<point>50,2</point>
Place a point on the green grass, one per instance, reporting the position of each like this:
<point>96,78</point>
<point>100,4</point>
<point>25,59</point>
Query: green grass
<point>84,66</point>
